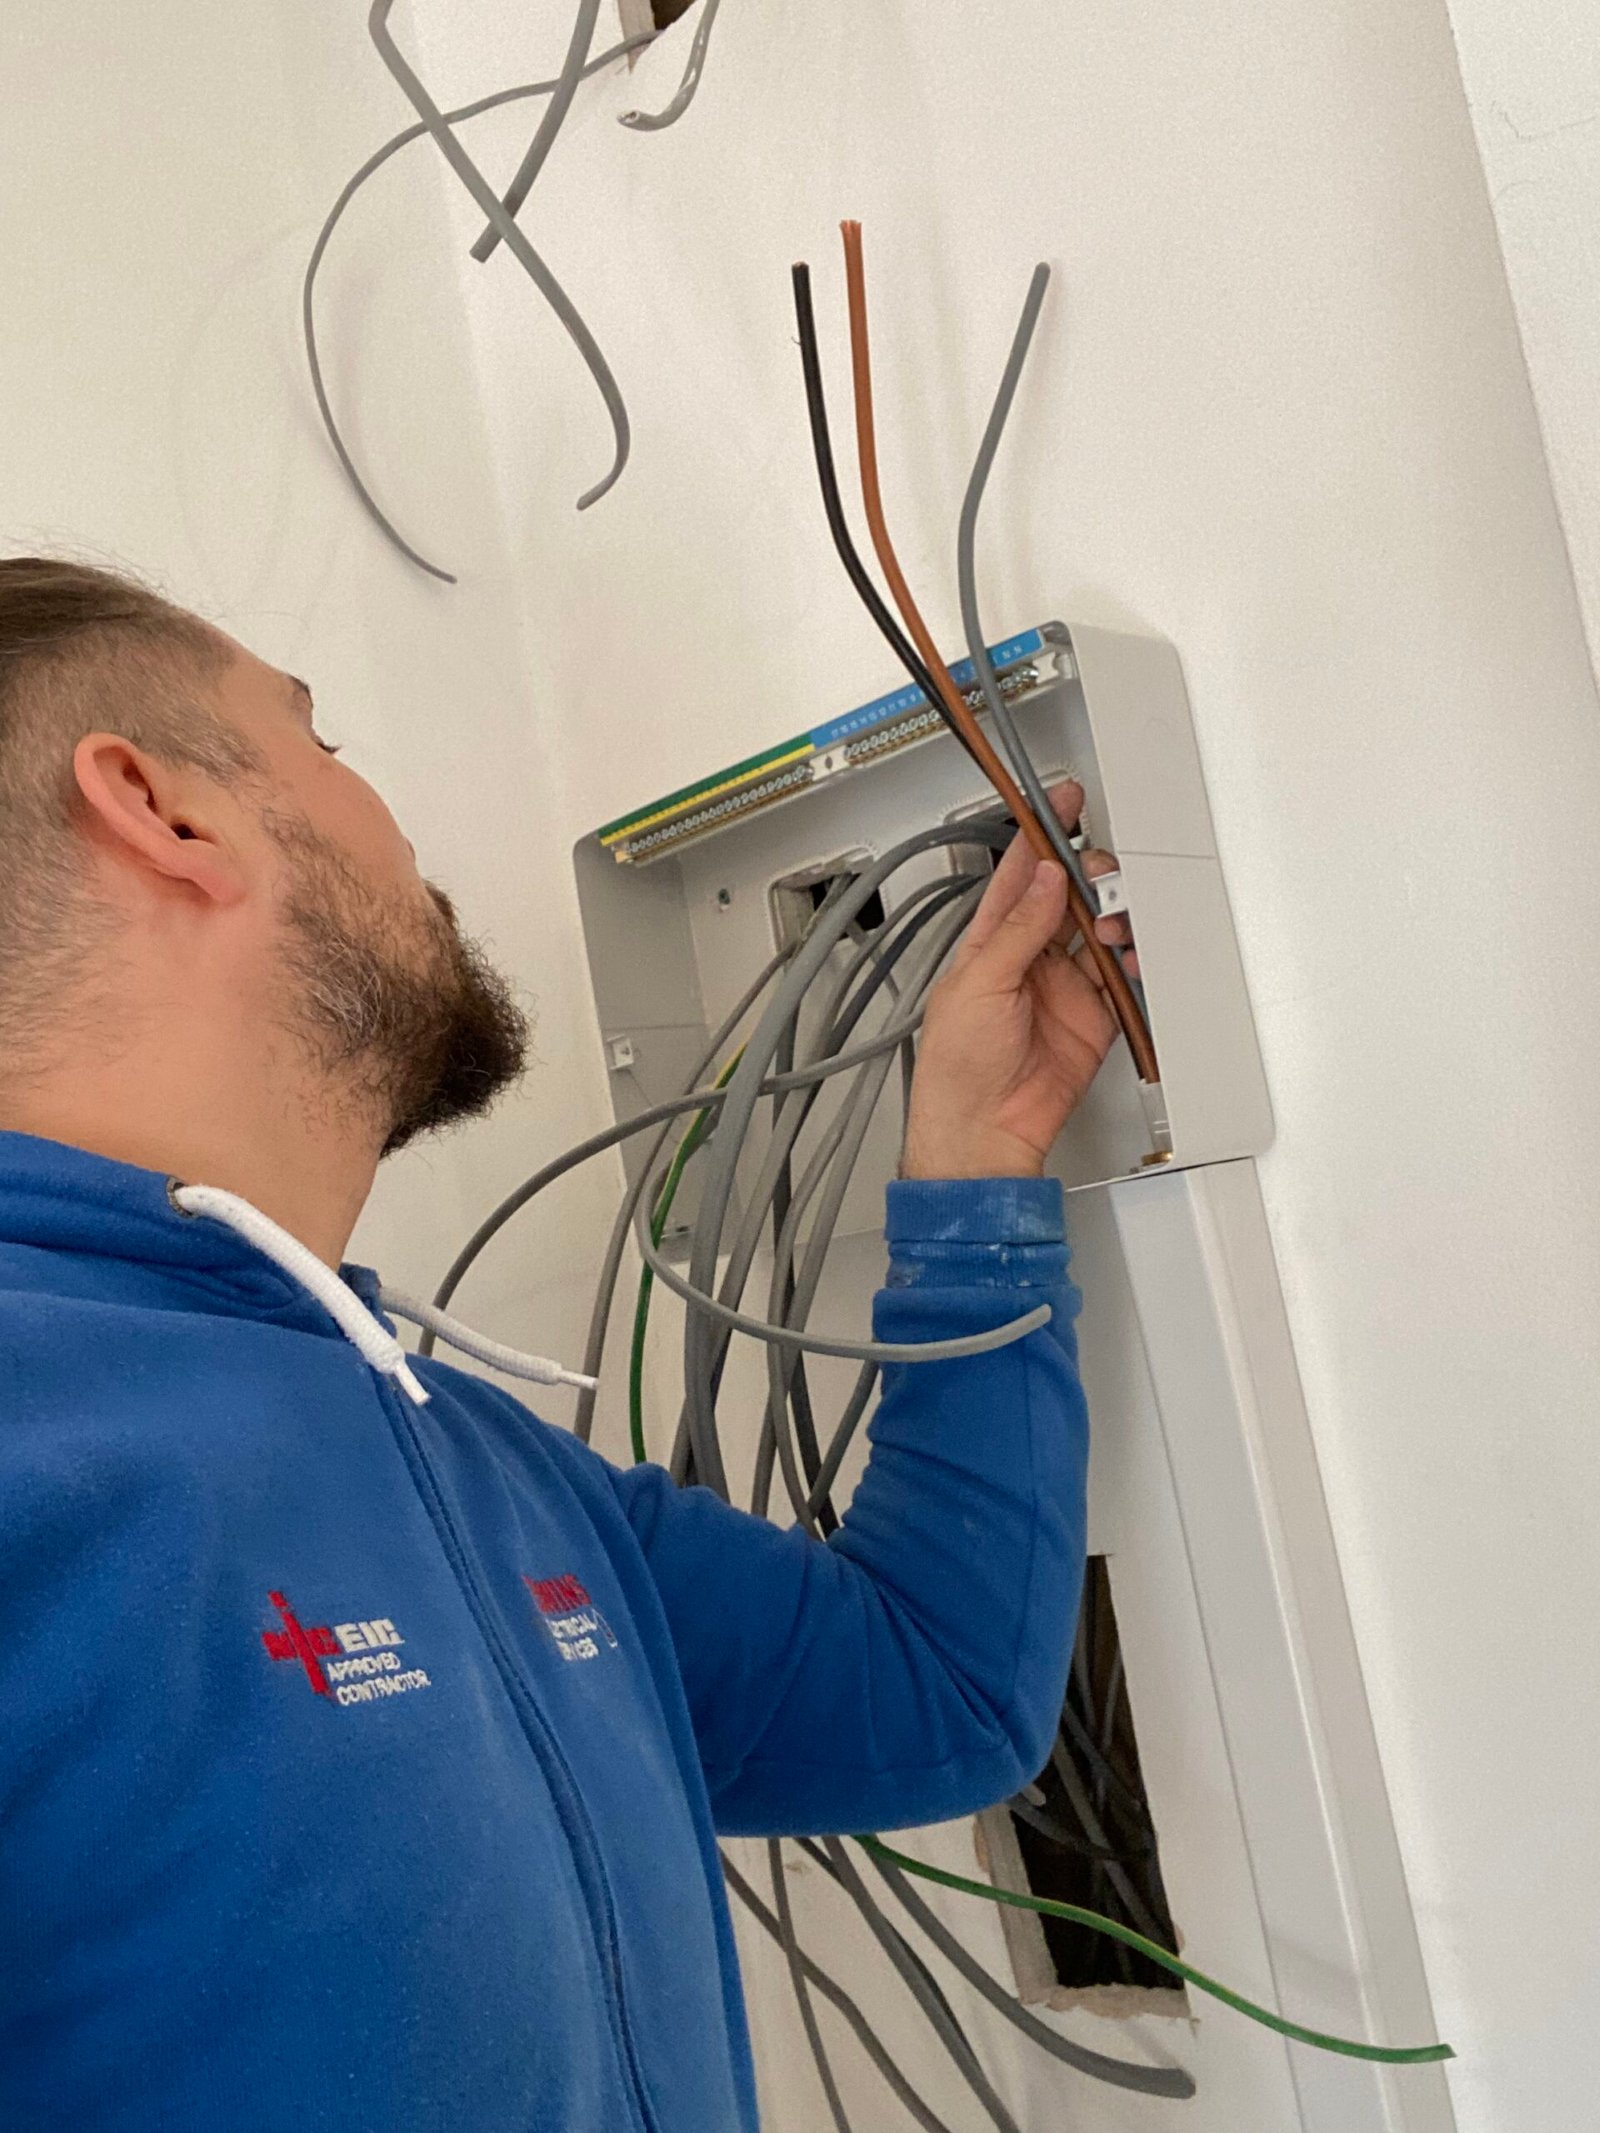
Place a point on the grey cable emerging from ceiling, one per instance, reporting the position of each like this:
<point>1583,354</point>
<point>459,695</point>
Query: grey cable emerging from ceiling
<point>489,201</point>
<point>654,121</point>
<point>369,168</point>
<point>551,121</point>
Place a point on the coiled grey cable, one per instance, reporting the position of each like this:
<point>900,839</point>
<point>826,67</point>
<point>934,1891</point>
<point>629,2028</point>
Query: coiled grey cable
<point>369,168</point>
<point>483,192</point>
<point>838,1020</point>
<point>551,121</point>
<point>654,121</point>
<point>999,710</point>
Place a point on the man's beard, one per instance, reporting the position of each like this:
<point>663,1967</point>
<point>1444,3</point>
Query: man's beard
<point>404,1014</point>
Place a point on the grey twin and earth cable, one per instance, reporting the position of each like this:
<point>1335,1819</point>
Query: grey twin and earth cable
<point>704,1099</point>
<point>836,1996</point>
<point>510,233</point>
<point>836,1153</point>
<point>838,1021</point>
<point>801,1989</point>
<point>833,1162</point>
<point>654,121</point>
<point>919,1982</point>
<point>550,124</point>
<point>999,710</point>
<point>883,955</point>
<point>621,1228</point>
<point>700,1099</point>
<point>843,904</point>
<point>578,67</point>
<point>369,168</point>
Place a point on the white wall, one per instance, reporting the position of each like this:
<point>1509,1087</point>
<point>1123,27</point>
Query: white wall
<point>1278,412</point>
<point>163,171</point>
<point>1532,75</point>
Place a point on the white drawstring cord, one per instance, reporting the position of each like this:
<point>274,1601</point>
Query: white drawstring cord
<point>342,1305</point>
<point>511,1360</point>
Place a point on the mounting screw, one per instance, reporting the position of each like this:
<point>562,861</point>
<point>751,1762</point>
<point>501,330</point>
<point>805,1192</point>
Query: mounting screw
<point>724,898</point>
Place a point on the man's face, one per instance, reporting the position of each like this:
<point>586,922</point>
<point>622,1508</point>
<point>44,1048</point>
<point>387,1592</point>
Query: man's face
<point>403,1012</point>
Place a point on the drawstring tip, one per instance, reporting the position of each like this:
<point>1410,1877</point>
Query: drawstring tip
<point>407,1379</point>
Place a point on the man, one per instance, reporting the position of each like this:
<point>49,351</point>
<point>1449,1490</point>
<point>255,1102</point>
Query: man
<point>363,1747</point>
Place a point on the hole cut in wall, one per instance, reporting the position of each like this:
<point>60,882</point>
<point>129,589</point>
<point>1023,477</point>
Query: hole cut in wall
<point>797,898</point>
<point>983,858</point>
<point>639,17</point>
<point>1083,1833</point>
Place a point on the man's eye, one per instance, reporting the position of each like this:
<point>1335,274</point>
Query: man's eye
<point>328,747</point>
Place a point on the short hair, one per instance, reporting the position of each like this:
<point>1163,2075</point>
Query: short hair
<point>83,648</point>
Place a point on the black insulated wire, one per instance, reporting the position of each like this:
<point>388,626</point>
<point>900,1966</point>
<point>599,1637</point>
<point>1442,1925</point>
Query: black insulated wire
<point>833,504</point>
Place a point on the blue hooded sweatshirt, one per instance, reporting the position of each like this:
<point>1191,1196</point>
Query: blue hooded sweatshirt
<point>361,1762</point>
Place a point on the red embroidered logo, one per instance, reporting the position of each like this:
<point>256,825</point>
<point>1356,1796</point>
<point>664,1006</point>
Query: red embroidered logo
<point>362,1664</point>
<point>557,1596</point>
<point>576,1626</point>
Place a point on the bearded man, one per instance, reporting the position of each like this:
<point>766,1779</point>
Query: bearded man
<point>365,1739</point>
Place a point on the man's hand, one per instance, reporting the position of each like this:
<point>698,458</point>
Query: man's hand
<point>1015,1030</point>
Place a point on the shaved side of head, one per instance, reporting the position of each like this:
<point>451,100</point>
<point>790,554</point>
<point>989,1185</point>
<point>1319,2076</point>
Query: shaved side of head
<point>83,650</point>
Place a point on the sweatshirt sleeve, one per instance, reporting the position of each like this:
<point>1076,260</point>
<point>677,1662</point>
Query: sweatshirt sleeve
<point>911,1668</point>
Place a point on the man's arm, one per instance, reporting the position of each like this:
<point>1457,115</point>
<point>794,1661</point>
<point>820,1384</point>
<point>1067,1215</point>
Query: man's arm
<point>912,1667</point>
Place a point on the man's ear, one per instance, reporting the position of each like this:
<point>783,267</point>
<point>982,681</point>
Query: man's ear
<point>138,807</point>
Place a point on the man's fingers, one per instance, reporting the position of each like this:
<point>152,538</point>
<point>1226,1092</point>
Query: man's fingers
<point>999,900</point>
<point>1003,957</point>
